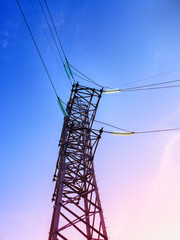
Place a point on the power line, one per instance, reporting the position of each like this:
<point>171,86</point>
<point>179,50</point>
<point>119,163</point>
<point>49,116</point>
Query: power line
<point>55,29</point>
<point>54,41</point>
<point>143,132</point>
<point>153,76</point>
<point>86,77</point>
<point>57,44</point>
<point>127,132</point>
<point>154,84</point>
<point>138,88</point>
<point>51,31</point>
<point>67,63</point>
<point>90,80</point>
<point>107,124</point>
<point>159,130</point>
<point>37,49</point>
<point>145,89</point>
<point>47,39</point>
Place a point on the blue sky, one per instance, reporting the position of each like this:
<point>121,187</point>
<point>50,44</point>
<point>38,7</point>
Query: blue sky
<point>114,42</point>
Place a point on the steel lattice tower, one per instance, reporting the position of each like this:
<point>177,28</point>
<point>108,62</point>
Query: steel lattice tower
<point>77,207</point>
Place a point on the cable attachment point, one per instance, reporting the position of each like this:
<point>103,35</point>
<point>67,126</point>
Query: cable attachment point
<point>69,68</point>
<point>61,106</point>
<point>110,91</point>
<point>123,133</point>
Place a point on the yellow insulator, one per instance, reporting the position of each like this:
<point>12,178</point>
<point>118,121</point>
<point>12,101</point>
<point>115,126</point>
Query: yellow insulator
<point>123,133</point>
<point>110,91</point>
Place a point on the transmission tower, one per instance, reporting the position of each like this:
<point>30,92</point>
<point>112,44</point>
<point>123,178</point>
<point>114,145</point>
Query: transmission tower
<point>77,207</point>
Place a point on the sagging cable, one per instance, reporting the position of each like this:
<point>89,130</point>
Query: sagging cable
<point>142,132</point>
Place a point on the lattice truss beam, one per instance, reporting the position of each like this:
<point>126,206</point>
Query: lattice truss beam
<point>77,212</point>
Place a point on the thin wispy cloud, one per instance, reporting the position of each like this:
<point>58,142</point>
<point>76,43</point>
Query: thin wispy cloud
<point>5,43</point>
<point>4,36</point>
<point>6,33</point>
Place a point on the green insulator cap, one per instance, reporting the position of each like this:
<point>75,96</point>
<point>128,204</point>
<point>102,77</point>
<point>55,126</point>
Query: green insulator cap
<point>61,107</point>
<point>66,72</point>
<point>69,68</point>
<point>110,91</point>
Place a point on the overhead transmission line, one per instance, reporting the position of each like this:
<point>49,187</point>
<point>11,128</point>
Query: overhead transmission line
<point>127,132</point>
<point>51,32</point>
<point>52,49</point>
<point>110,125</point>
<point>150,77</point>
<point>67,63</point>
<point>153,84</point>
<point>37,49</point>
<point>143,132</point>
<point>145,87</point>
<point>132,89</point>
<point>137,88</point>
<point>86,78</point>
<point>57,46</point>
<point>59,100</point>
<point>150,88</point>
<point>159,130</point>
<point>55,29</point>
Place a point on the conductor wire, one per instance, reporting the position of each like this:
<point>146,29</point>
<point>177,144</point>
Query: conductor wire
<point>37,49</point>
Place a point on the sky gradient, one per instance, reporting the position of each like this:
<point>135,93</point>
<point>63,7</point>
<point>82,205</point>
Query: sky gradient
<point>114,42</point>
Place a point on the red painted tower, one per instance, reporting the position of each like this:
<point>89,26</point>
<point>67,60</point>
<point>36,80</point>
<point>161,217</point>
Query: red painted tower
<point>77,212</point>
